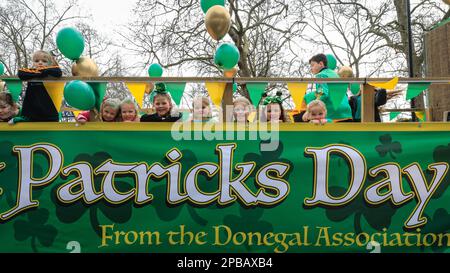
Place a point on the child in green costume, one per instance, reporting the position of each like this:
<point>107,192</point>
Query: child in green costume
<point>343,113</point>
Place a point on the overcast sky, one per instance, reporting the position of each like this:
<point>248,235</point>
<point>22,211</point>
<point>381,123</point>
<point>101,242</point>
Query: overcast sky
<point>108,14</point>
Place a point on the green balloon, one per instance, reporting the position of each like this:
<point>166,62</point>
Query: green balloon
<point>332,62</point>
<point>206,4</point>
<point>155,70</point>
<point>79,95</point>
<point>227,56</point>
<point>70,42</point>
<point>2,69</point>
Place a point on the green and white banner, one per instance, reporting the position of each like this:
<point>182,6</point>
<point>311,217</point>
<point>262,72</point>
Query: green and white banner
<point>158,189</point>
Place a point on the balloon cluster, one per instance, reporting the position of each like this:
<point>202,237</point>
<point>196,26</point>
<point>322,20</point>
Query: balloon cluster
<point>218,23</point>
<point>78,94</point>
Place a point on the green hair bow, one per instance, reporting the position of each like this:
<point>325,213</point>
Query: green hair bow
<point>270,100</point>
<point>160,88</point>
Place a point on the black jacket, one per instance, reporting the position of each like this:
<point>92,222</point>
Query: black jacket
<point>299,117</point>
<point>37,104</point>
<point>156,118</point>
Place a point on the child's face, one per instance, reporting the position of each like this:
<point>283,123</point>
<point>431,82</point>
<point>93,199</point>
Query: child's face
<point>316,67</point>
<point>6,110</point>
<point>162,105</point>
<point>241,112</point>
<point>317,113</point>
<point>273,112</point>
<point>40,61</point>
<point>128,112</point>
<point>109,113</point>
<point>201,111</point>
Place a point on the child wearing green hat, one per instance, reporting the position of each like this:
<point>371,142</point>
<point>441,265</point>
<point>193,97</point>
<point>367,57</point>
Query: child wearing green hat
<point>162,103</point>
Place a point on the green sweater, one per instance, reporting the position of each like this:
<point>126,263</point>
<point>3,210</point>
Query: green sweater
<point>343,111</point>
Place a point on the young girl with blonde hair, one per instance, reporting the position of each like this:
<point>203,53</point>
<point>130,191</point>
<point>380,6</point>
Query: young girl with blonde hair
<point>202,110</point>
<point>316,112</point>
<point>109,112</point>
<point>241,109</point>
<point>129,111</point>
<point>37,104</point>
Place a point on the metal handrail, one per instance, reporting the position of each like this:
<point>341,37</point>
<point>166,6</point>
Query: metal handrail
<point>367,100</point>
<point>435,80</point>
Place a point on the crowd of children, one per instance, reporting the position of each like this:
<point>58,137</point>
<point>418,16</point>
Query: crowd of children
<point>316,107</point>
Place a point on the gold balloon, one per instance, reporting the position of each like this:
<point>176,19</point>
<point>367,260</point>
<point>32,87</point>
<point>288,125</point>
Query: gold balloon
<point>231,73</point>
<point>85,67</point>
<point>345,72</point>
<point>218,22</point>
<point>149,87</point>
<point>446,2</point>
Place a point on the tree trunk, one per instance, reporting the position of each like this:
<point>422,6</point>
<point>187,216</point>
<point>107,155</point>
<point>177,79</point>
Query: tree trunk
<point>438,65</point>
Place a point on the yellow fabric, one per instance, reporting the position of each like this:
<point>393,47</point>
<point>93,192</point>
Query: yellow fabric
<point>252,116</point>
<point>420,115</point>
<point>390,85</point>
<point>76,113</point>
<point>56,92</point>
<point>298,91</point>
<point>291,116</point>
<point>137,89</point>
<point>216,90</point>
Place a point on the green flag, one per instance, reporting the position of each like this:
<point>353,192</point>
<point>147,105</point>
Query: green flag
<point>337,92</point>
<point>14,87</point>
<point>355,88</point>
<point>415,89</point>
<point>176,91</point>
<point>255,90</point>
<point>393,115</point>
<point>99,92</point>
